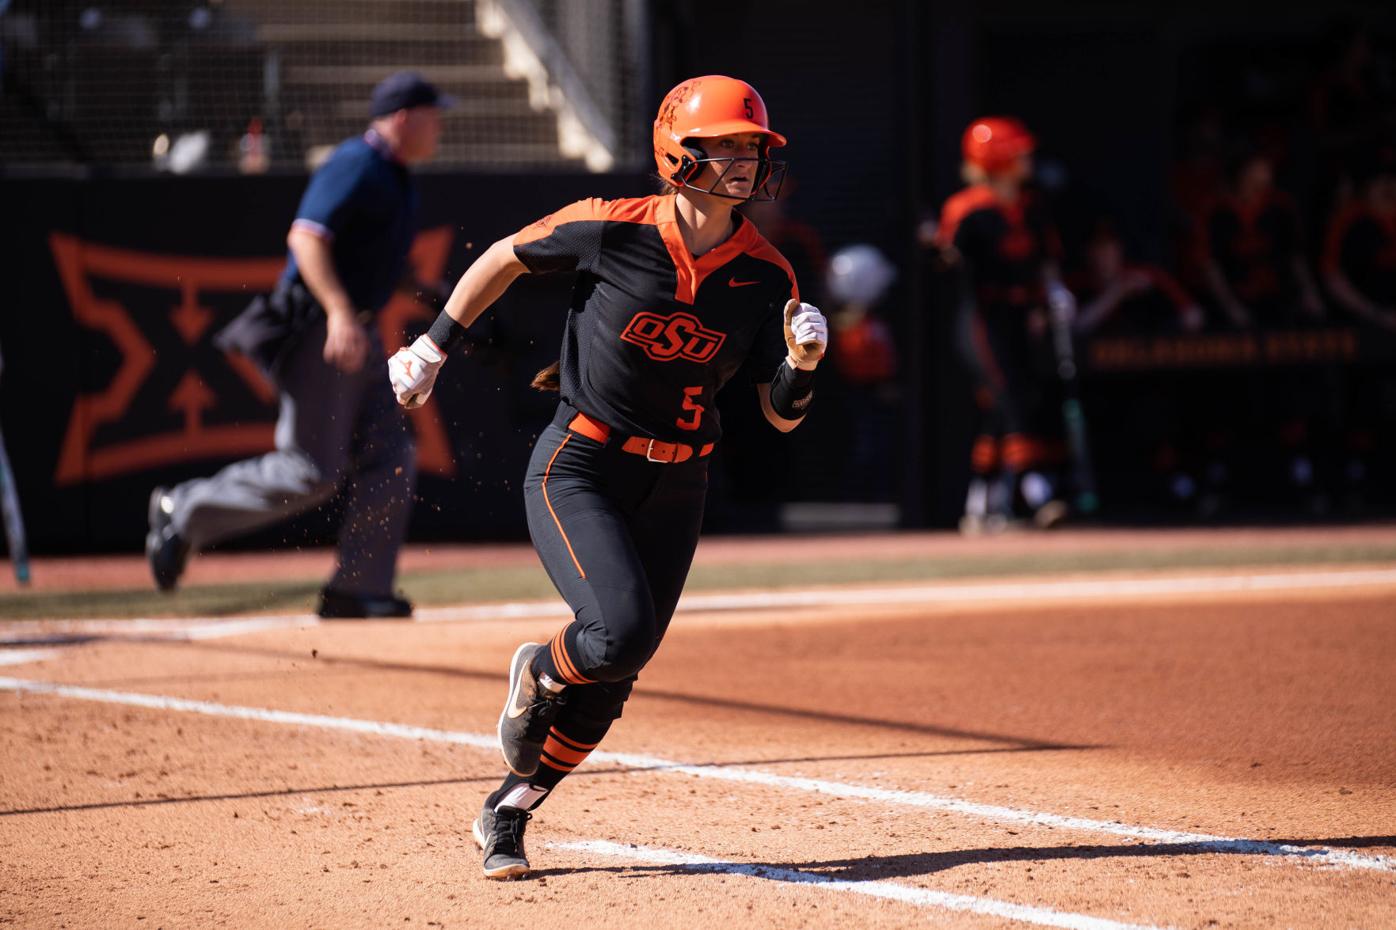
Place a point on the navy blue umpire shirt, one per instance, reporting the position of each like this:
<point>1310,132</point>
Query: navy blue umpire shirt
<point>363,203</point>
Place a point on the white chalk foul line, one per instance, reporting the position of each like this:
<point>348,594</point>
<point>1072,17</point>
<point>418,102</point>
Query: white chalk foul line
<point>921,897</point>
<point>264,715</point>
<point>148,628</point>
<point>24,656</point>
<point>1151,835</point>
<point>933,594</point>
<point>1203,842</point>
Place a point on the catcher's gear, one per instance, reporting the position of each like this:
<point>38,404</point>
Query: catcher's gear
<point>705,108</point>
<point>412,371</point>
<point>806,334</point>
<point>994,143</point>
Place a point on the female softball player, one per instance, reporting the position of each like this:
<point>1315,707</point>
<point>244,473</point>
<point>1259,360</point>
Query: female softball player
<point>675,294</point>
<point>1000,243</point>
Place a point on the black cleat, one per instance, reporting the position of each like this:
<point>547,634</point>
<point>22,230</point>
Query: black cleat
<point>165,549</point>
<point>500,834</point>
<point>340,605</point>
<point>528,713</point>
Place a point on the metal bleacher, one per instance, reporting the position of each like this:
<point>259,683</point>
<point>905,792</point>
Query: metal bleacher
<point>332,52</point>
<point>98,82</point>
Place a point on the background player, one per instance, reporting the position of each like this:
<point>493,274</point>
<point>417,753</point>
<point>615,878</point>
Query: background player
<point>349,245</point>
<point>675,295</point>
<point>997,238</point>
<point>1253,252</point>
<point>1359,270</point>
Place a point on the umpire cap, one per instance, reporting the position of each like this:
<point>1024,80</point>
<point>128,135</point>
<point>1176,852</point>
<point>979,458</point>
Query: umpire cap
<point>403,90</point>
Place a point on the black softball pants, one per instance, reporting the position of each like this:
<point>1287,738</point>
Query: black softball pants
<point>616,533</point>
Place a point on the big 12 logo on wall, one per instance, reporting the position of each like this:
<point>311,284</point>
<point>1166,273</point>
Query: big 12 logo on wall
<point>164,394</point>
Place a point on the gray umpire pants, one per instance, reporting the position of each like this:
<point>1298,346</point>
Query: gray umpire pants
<point>334,428</point>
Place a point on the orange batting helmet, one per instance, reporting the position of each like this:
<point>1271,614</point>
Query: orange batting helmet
<point>995,142</point>
<point>704,108</point>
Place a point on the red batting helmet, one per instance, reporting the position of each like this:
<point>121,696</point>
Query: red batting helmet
<point>704,108</point>
<point>995,142</point>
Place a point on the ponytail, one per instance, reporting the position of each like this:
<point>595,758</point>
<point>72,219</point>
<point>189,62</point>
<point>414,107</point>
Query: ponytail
<point>547,379</point>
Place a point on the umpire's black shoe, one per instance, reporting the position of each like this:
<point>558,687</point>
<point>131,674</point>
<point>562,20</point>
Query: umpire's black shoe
<point>500,834</point>
<point>165,549</point>
<point>528,713</point>
<point>341,605</point>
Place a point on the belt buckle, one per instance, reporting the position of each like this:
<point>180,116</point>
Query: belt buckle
<point>649,454</point>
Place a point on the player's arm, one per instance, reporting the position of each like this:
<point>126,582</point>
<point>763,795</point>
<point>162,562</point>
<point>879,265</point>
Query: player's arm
<point>413,369</point>
<point>786,400</point>
<point>1100,309</point>
<point>346,344</point>
<point>1310,301</point>
<point>1236,311</point>
<point>484,282</point>
<point>1347,294</point>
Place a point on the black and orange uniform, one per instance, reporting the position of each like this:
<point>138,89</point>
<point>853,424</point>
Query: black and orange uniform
<point>1003,249</point>
<point>1254,246</point>
<point>616,484</point>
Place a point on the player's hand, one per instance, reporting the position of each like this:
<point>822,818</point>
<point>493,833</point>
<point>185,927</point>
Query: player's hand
<point>346,343</point>
<point>412,371</point>
<point>806,334</point>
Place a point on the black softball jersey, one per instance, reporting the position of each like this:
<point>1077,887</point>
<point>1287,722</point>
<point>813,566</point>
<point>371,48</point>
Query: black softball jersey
<point>653,332</point>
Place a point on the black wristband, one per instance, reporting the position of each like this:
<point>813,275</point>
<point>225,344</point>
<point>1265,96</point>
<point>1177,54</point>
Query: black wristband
<point>446,332</point>
<point>792,389</point>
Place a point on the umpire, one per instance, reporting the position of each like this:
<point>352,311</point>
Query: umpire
<point>339,425</point>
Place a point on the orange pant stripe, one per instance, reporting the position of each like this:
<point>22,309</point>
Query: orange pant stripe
<point>547,472</point>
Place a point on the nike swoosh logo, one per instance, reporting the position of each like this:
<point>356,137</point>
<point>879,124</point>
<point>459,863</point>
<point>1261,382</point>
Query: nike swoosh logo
<point>733,282</point>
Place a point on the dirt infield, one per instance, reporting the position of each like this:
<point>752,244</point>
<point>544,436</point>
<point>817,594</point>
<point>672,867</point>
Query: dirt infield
<point>1206,760</point>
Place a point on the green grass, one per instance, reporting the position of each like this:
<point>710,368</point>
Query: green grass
<point>467,584</point>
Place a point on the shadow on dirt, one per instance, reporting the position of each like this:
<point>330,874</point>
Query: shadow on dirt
<point>322,660</point>
<point>880,868</point>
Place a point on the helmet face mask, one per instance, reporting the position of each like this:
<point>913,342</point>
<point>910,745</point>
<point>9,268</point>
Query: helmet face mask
<point>710,107</point>
<point>765,186</point>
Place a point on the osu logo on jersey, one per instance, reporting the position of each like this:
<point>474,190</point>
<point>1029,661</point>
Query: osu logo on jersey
<point>665,338</point>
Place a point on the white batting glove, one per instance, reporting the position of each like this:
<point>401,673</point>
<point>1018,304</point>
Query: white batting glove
<point>806,334</point>
<point>412,371</point>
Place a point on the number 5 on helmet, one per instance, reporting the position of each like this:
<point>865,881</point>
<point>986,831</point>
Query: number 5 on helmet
<point>412,371</point>
<point>705,108</point>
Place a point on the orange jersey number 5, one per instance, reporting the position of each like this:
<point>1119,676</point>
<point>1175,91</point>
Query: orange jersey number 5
<point>694,408</point>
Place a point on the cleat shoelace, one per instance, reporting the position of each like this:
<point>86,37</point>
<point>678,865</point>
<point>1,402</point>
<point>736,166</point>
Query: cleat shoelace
<point>509,832</point>
<point>540,716</point>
